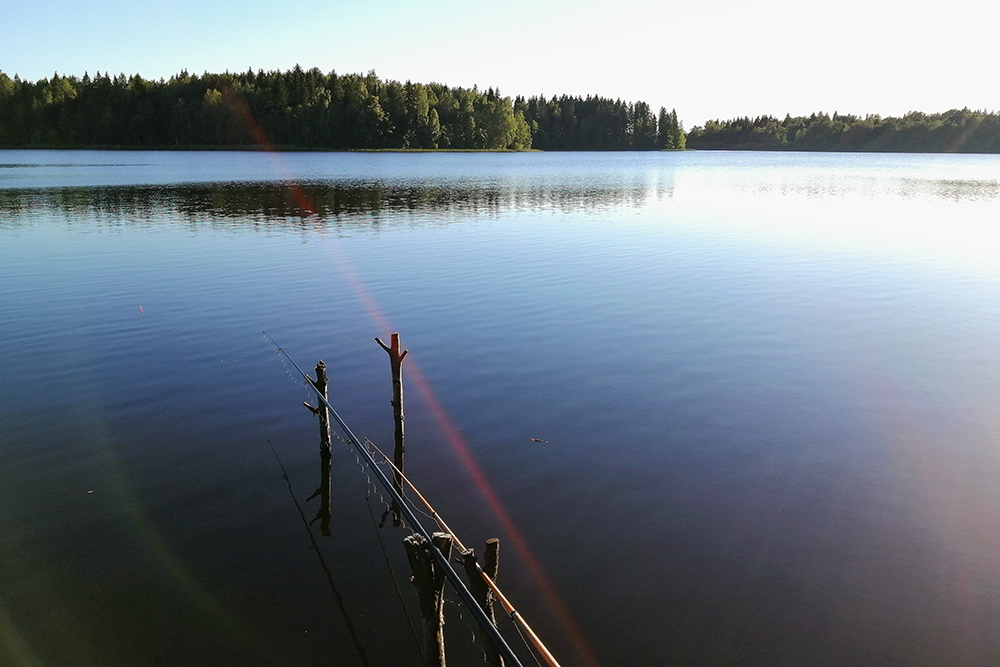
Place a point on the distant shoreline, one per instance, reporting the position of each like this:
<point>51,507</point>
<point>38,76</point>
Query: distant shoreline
<point>264,149</point>
<point>301,149</point>
<point>311,109</point>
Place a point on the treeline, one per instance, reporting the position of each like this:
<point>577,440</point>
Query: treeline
<point>297,108</point>
<point>955,131</point>
<point>309,109</point>
<point>599,124</point>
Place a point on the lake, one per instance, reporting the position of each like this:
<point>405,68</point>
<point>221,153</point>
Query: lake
<point>720,408</point>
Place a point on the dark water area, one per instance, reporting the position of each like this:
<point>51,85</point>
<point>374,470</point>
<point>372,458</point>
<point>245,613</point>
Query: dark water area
<point>721,409</point>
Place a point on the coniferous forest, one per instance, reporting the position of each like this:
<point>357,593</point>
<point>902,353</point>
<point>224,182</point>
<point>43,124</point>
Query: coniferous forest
<point>309,109</point>
<point>955,131</point>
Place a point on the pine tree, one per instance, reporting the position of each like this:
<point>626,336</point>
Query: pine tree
<point>677,128</point>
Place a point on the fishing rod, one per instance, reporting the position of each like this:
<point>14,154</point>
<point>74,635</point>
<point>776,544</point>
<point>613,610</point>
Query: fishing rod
<point>411,516</point>
<point>513,613</point>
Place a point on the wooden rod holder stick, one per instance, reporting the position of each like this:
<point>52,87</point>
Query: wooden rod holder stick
<point>480,591</point>
<point>429,579</point>
<point>325,449</point>
<point>396,364</point>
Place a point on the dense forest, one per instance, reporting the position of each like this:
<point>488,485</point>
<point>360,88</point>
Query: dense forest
<point>955,131</point>
<point>596,123</point>
<point>309,109</point>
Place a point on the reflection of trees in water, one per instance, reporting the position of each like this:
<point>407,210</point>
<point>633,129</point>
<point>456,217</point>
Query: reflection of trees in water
<point>844,186</point>
<point>314,203</point>
<point>954,190</point>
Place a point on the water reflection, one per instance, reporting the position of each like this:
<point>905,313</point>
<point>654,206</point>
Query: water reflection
<point>846,182</point>
<point>907,187</point>
<point>953,190</point>
<point>256,202</point>
<point>314,203</point>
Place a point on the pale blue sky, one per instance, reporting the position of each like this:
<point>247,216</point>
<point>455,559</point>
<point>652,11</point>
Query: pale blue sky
<point>712,60</point>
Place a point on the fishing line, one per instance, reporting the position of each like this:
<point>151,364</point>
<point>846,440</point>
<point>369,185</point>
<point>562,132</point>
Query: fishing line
<point>395,580</point>
<point>305,384</point>
<point>388,509</point>
<point>145,316</point>
<point>477,644</point>
<point>527,645</point>
<point>472,630</point>
<point>370,488</point>
<point>519,621</point>
<point>407,510</point>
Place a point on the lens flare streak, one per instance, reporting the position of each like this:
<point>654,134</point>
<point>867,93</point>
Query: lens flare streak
<point>451,433</point>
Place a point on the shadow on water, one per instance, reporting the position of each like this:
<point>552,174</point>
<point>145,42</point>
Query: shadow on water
<point>362,654</point>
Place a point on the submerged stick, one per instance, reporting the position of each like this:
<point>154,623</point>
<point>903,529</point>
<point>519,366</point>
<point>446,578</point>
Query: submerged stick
<point>477,584</point>
<point>396,366</point>
<point>414,521</point>
<point>429,578</point>
<point>325,449</point>
<point>514,614</point>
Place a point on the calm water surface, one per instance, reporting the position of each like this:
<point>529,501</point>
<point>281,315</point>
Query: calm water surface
<point>767,388</point>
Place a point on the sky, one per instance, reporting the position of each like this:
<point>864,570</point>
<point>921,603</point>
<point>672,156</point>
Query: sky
<point>715,60</point>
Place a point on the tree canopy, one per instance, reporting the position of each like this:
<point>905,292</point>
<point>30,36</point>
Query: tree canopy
<point>309,109</point>
<point>954,131</point>
<point>297,108</point>
<point>598,123</point>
